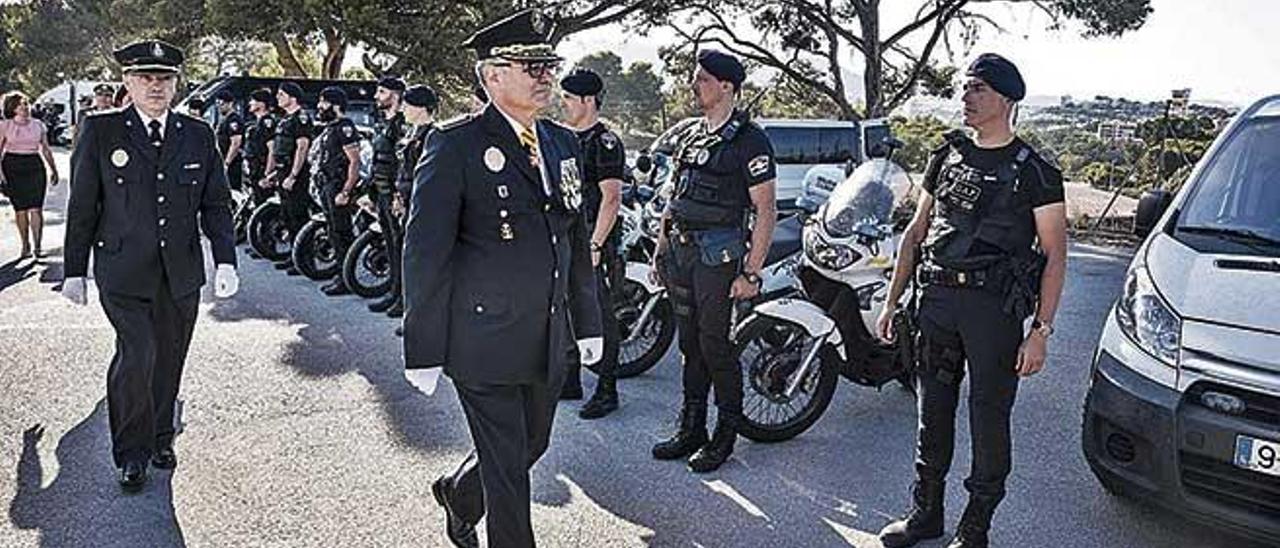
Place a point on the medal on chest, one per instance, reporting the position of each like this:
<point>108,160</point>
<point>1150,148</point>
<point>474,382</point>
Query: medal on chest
<point>570,184</point>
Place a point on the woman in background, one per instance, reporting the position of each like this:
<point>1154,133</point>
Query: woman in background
<point>24,151</point>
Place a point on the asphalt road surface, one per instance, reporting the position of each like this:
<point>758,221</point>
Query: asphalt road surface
<point>299,430</point>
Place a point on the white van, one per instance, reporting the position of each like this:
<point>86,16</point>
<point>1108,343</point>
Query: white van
<point>1183,407</point>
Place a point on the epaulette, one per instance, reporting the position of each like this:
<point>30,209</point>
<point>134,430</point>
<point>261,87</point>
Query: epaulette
<point>191,119</point>
<point>455,123</point>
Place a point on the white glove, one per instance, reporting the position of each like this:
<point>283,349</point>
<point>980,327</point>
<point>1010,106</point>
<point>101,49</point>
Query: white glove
<point>225,282</point>
<point>425,380</point>
<point>591,350</point>
<point>76,290</point>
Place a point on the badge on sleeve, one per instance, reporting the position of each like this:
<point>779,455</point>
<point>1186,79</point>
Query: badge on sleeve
<point>494,159</point>
<point>609,140</point>
<point>759,165</point>
<point>119,157</point>
<point>570,184</point>
<point>346,130</point>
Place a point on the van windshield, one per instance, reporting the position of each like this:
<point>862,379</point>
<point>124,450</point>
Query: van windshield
<point>1235,206</point>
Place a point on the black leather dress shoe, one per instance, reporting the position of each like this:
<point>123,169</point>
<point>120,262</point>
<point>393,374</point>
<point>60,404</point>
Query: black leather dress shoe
<point>460,533</point>
<point>396,311</point>
<point>133,475</point>
<point>165,459</point>
<point>293,271</point>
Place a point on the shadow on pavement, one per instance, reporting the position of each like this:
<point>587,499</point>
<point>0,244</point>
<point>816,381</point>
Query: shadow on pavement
<point>83,505</point>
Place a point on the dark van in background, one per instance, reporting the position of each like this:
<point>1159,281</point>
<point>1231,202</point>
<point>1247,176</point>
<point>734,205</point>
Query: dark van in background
<point>361,109</point>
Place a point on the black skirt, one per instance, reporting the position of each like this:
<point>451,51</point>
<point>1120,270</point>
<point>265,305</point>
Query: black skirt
<point>25,180</point>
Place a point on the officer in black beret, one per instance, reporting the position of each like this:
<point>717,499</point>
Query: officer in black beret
<point>991,224</point>
<point>230,136</point>
<point>288,167</point>
<point>604,159</point>
<point>389,131</point>
<point>710,252</point>
<point>420,105</point>
<point>498,281</point>
<point>337,170</point>
<point>259,142</point>
<point>143,179</point>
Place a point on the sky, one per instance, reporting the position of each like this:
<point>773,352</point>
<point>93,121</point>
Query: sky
<point>1224,50</point>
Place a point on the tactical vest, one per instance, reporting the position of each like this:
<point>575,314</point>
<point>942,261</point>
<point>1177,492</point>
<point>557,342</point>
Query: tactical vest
<point>386,165</point>
<point>974,206</point>
<point>709,191</point>
<point>287,139</point>
<point>330,162</point>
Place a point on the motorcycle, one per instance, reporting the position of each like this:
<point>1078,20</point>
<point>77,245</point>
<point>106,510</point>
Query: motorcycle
<point>242,210</point>
<point>267,232</point>
<point>367,267</point>
<point>792,350</point>
<point>313,252</point>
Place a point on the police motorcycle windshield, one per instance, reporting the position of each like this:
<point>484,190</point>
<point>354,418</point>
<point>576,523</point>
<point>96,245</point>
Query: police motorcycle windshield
<point>863,203</point>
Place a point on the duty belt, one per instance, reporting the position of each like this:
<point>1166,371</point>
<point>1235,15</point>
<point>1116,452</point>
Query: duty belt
<point>947,277</point>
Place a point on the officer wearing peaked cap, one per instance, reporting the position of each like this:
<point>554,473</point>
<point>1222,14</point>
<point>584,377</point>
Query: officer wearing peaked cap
<point>497,276</point>
<point>143,178</point>
<point>991,224</point>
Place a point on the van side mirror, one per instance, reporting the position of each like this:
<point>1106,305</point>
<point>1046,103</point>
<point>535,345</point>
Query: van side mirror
<point>1151,207</point>
<point>644,163</point>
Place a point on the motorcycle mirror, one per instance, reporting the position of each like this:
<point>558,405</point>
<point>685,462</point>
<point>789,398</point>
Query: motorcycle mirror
<point>644,163</point>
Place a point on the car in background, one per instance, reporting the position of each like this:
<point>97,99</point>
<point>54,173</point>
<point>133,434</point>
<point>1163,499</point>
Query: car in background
<point>361,108</point>
<point>1183,407</point>
<point>798,146</point>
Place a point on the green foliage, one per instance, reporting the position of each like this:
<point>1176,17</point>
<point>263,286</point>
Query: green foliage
<point>920,136</point>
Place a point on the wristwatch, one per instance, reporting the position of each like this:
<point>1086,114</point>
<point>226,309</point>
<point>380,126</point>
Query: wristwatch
<point>1044,329</point>
<point>596,247</point>
<point>751,277</point>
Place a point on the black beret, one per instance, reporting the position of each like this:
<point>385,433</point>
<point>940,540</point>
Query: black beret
<point>225,95</point>
<point>582,82</point>
<point>261,95</point>
<point>292,89</point>
<point>723,66</point>
<point>104,89</point>
<point>421,96</point>
<point>523,36</point>
<point>335,96</point>
<point>392,83</point>
<point>149,56</point>
<point>1000,74</point>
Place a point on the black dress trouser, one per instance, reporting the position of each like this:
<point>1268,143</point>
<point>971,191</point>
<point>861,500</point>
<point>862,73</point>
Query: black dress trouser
<point>152,338</point>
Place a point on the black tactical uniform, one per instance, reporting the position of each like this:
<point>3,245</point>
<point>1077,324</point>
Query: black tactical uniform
<point>979,276</point>
<point>258,131</point>
<point>384,173</point>
<point>408,153</point>
<point>293,202</point>
<point>603,158</point>
<point>330,176</point>
<point>715,168</point>
<point>229,126</point>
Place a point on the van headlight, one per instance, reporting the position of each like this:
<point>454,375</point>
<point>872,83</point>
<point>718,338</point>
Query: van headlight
<point>1147,319</point>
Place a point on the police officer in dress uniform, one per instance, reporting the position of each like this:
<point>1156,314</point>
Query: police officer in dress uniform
<point>603,162</point>
<point>336,171</point>
<point>707,257</point>
<point>102,100</point>
<point>991,224</point>
<point>288,167</point>
<point>141,177</point>
<point>497,276</point>
<point>230,137</point>
<point>391,130</point>
<point>420,104</point>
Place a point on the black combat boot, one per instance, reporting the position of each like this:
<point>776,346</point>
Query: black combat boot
<point>396,310</point>
<point>714,454</point>
<point>379,307</point>
<point>976,521</point>
<point>603,402</point>
<point>335,288</point>
<point>691,436</point>
<point>923,522</point>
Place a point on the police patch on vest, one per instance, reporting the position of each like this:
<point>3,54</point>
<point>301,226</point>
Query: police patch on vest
<point>570,183</point>
<point>759,165</point>
<point>346,130</point>
<point>608,140</point>
<point>703,156</point>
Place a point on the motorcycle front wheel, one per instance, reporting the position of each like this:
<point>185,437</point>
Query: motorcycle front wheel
<point>268,235</point>
<point>640,353</point>
<point>367,269</point>
<point>313,253</point>
<point>769,353</point>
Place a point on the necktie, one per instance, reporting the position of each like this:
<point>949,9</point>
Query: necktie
<point>529,140</point>
<point>155,137</point>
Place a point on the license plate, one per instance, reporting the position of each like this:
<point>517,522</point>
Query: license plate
<point>1258,455</point>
